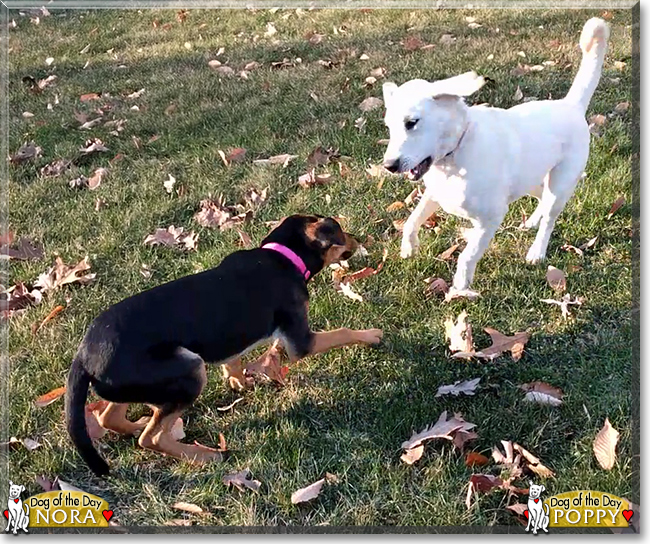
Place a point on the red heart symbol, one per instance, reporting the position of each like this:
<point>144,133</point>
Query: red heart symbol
<point>526,513</point>
<point>536,501</point>
<point>108,514</point>
<point>6,513</point>
<point>16,500</point>
<point>627,514</point>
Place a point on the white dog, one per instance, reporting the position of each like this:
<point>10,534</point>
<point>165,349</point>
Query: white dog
<point>18,518</point>
<point>538,518</point>
<point>477,160</point>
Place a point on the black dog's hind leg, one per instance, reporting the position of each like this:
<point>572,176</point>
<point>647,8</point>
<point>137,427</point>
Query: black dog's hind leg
<point>178,393</point>
<point>114,419</point>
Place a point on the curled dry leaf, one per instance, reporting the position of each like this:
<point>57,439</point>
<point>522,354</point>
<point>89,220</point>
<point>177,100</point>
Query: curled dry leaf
<point>446,255</point>
<point>542,393</point>
<point>467,387</point>
<point>556,278</point>
<point>172,237</point>
<point>96,179</point>
<point>56,311</point>
<point>500,344</point>
<point>518,94</point>
<point>55,168</point>
<point>443,428</point>
<point>61,274</point>
<point>371,103</point>
<point>483,483</point>
<point>16,299</point>
<point>188,507</point>
<point>283,159</point>
<point>413,455</point>
<point>215,213</point>
<point>616,206</point>
<point>398,205</point>
<point>230,406</point>
<point>242,480</point>
<point>460,437</point>
<point>436,286</point>
<point>94,145</point>
<point>475,459</point>
<point>605,445</point>
<point>596,124</point>
<point>459,334</point>
<point>49,397</point>
<point>534,463</point>
<point>27,152</point>
<point>268,366</point>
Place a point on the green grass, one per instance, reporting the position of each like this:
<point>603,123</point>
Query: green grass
<point>346,412</point>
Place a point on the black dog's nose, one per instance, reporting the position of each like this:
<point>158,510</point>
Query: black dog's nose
<point>392,166</point>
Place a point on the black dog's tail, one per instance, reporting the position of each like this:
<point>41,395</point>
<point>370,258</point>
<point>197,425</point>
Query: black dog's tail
<point>75,415</point>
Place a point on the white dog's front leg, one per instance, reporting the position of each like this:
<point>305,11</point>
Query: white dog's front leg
<point>410,241</point>
<point>478,240</point>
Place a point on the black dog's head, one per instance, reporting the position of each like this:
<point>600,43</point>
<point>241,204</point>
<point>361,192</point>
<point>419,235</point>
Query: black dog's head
<point>319,241</point>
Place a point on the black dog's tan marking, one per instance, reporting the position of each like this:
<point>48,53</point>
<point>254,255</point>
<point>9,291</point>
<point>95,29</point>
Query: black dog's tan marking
<point>152,348</point>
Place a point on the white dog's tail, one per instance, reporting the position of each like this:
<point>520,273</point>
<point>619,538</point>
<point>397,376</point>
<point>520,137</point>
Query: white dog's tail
<point>593,42</point>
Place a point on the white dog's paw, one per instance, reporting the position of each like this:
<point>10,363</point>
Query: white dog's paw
<point>454,293</point>
<point>535,255</point>
<point>409,247</point>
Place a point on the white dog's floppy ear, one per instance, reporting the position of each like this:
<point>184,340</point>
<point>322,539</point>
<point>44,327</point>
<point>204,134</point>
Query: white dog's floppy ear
<point>462,85</point>
<point>388,89</point>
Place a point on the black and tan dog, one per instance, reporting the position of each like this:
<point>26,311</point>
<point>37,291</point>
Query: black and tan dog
<point>152,348</point>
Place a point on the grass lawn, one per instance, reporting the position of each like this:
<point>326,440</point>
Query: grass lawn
<point>346,412</point>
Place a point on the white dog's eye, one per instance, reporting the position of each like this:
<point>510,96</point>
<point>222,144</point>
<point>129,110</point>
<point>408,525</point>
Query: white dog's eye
<point>409,124</point>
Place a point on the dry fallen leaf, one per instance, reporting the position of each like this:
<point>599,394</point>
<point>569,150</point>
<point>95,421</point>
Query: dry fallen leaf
<point>436,286</point>
<point>556,278</point>
<point>605,445</point>
<point>616,206</point>
<point>55,168</point>
<point>50,397</point>
<point>500,344</point>
<point>27,152</point>
<point>56,311</point>
<point>412,455</point>
<point>446,255</point>
<point>61,274</point>
<point>371,103</point>
<point>93,145</point>
<point>24,250</point>
<point>467,387</point>
<point>96,179</point>
<point>483,483</point>
<point>518,94</point>
<point>268,366</point>
<point>238,154</point>
<point>542,393</point>
<point>311,491</point>
<point>596,123</point>
<point>188,507</point>
<point>242,480</point>
<point>283,159</point>
<point>534,463</point>
<point>447,39</point>
<point>398,205</point>
<point>475,459</point>
<point>443,428</point>
<point>172,237</point>
<point>92,412</point>
<point>15,300</point>
<point>215,213</point>
<point>459,334</point>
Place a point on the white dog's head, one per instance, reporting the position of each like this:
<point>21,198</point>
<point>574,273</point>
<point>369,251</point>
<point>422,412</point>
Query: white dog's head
<point>15,490</point>
<point>425,121</point>
<point>535,491</point>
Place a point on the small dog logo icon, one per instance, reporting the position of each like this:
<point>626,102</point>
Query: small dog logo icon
<point>538,518</point>
<point>17,516</point>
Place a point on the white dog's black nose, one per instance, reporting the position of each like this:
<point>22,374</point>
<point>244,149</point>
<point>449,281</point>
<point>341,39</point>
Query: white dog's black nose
<point>392,166</point>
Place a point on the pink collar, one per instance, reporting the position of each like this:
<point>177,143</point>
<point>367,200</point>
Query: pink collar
<point>291,255</point>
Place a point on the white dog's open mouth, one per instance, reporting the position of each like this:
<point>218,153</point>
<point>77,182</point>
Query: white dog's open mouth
<point>416,173</point>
